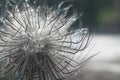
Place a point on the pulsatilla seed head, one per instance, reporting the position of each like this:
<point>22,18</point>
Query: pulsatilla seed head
<point>36,44</point>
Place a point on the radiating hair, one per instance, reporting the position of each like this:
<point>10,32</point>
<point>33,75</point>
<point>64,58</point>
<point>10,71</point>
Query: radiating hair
<point>36,44</point>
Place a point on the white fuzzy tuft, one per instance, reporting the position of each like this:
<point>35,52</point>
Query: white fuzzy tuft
<point>36,45</point>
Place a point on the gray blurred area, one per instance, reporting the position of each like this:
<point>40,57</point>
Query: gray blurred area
<point>105,65</point>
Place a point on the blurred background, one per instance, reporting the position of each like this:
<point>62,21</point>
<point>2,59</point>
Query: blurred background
<point>106,65</point>
<point>102,17</point>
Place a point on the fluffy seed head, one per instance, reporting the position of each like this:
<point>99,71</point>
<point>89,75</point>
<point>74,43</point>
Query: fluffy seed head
<point>36,44</point>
